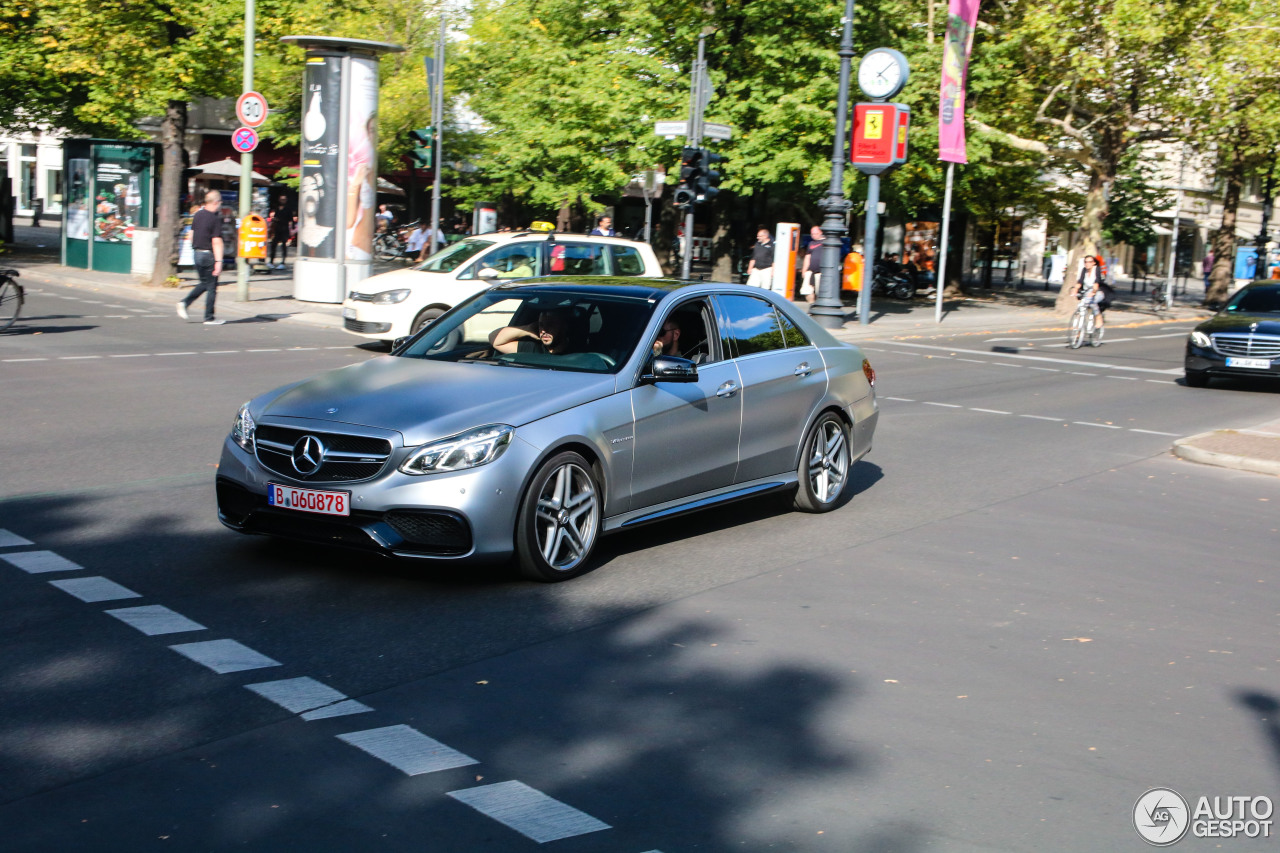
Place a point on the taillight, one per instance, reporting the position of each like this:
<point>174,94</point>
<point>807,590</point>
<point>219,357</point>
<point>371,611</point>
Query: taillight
<point>869,372</point>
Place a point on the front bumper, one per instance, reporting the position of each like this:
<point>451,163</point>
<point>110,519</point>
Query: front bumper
<point>1213,363</point>
<point>376,322</point>
<point>450,516</point>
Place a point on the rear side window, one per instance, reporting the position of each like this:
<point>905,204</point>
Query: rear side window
<point>577,259</point>
<point>627,261</point>
<point>793,336</point>
<point>515,260</point>
<point>748,325</point>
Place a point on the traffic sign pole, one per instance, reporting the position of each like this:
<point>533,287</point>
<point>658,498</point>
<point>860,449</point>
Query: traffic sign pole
<point>246,158</point>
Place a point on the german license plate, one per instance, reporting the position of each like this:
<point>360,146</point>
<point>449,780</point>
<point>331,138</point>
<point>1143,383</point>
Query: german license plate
<point>309,500</point>
<point>348,313</point>
<point>1251,363</point>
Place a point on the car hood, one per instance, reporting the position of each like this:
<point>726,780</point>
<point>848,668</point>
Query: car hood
<point>407,277</point>
<point>426,400</point>
<point>1268,324</point>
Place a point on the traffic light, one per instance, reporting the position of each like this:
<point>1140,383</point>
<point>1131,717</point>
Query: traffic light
<point>690,172</point>
<point>707,183</point>
<point>424,143</point>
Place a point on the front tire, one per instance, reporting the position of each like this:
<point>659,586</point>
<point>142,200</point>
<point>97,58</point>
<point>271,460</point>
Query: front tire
<point>424,317</point>
<point>1196,378</point>
<point>559,520</point>
<point>1075,337</point>
<point>824,465</point>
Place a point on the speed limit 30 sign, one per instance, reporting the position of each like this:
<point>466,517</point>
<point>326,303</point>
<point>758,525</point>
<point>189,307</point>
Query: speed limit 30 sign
<point>251,109</point>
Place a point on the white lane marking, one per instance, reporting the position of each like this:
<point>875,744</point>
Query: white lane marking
<point>177,353</point>
<point>220,351</point>
<point>1049,369</point>
<point>155,619</point>
<point>110,305</point>
<point>277,349</point>
<point>1127,378</point>
<point>1161,381</point>
<point>138,310</point>
<point>77,357</point>
<point>302,349</point>
<point>899,399</point>
<point>973,360</point>
<point>12,540</point>
<point>407,749</point>
<point>116,317</point>
<point>95,588</point>
<point>34,562</point>
<point>25,359</point>
<point>132,355</point>
<point>1079,373</point>
<point>346,347</point>
<point>308,697</point>
<point>1167,335</point>
<point>1096,364</point>
<point>528,811</point>
<point>92,301</point>
<point>1103,426</point>
<point>223,656</point>
<point>944,405</point>
<point>1044,418</point>
<point>997,340</point>
<point>990,411</point>
<point>1153,432</point>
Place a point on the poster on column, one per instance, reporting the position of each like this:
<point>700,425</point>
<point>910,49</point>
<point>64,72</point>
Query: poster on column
<point>321,132</point>
<point>955,71</point>
<point>362,158</point>
<point>116,196</point>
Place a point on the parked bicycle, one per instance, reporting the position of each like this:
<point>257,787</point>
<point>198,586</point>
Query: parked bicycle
<point>1084,326</point>
<point>1159,296</point>
<point>11,298</point>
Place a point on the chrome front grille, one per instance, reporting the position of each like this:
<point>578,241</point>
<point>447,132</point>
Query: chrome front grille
<point>346,457</point>
<point>1248,344</point>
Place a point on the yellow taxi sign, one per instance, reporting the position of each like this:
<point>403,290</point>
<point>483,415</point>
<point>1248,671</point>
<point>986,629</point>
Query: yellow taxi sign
<point>542,226</point>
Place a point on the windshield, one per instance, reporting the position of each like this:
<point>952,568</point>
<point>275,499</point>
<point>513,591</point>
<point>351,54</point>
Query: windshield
<point>451,257</point>
<point>1256,300</point>
<point>542,329</point>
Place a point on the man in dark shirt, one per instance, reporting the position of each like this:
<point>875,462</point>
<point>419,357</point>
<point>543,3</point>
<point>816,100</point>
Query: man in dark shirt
<point>206,241</point>
<point>760,269</point>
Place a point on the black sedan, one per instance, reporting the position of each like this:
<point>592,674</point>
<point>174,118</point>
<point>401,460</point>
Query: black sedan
<point>1243,339</point>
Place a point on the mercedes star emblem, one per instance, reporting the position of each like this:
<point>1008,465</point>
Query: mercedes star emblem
<point>308,455</point>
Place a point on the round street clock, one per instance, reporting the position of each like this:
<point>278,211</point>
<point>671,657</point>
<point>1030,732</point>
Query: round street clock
<point>882,73</point>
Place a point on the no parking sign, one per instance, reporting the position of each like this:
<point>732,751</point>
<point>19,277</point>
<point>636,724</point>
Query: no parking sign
<point>244,140</point>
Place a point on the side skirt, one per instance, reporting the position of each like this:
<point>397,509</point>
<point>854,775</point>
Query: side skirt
<point>694,503</point>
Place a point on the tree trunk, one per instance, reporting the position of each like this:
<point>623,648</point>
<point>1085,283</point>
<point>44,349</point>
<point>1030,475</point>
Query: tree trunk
<point>722,244</point>
<point>173,130</point>
<point>1224,241</point>
<point>1095,211</point>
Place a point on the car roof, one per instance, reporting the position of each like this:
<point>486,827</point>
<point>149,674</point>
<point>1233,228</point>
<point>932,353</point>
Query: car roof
<point>549,236</point>
<point>649,288</point>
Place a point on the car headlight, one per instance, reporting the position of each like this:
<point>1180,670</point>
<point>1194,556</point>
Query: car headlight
<point>391,297</point>
<point>1200,339</point>
<point>243,427</point>
<point>465,450</point>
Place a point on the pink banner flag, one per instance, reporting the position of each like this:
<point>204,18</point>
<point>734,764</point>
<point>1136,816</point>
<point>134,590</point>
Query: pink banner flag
<point>955,69</point>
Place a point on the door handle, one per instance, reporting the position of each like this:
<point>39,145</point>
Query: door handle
<point>804,369</point>
<point>728,389</point>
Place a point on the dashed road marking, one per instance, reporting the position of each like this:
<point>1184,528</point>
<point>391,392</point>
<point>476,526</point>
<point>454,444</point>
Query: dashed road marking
<point>95,588</point>
<point>1044,418</point>
<point>308,697</point>
<point>528,811</point>
<point>1031,417</point>
<point>13,540</point>
<point>989,411</point>
<point>407,749</point>
<point>35,562</point>
<point>1154,432</point>
<point>223,656</point>
<point>944,405</point>
<point>1025,357</point>
<point>1092,424</point>
<point>155,619</point>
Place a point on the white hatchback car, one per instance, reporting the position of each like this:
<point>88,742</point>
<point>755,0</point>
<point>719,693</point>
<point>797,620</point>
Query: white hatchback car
<point>399,303</point>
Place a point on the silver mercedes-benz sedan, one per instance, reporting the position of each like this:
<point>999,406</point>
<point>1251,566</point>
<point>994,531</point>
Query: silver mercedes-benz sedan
<point>536,416</point>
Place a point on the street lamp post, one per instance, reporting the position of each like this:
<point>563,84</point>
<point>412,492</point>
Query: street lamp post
<point>827,309</point>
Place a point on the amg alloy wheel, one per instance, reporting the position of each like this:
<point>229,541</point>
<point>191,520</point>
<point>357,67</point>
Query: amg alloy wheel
<point>824,465</point>
<point>559,520</point>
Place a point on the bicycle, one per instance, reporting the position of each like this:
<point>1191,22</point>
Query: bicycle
<point>387,246</point>
<point>11,298</point>
<point>1084,326</point>
<point>1159,299</point>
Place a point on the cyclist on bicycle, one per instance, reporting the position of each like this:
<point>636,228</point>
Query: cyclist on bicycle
<point>1091,285</point>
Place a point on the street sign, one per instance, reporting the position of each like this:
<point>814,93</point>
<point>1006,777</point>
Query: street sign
<point>251,109</point>
<point>717,131</point>
<point>671,129</point>
<point>244,140</point>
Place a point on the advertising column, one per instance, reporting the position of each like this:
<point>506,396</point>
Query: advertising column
<point>337,193</point>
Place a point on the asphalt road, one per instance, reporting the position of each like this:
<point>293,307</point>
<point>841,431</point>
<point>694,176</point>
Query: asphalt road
<point>1028,614</point>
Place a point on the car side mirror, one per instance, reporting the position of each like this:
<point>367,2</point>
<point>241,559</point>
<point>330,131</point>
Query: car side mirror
<point>487,272</point>
<point>669,368</point>
<point>399,342</point>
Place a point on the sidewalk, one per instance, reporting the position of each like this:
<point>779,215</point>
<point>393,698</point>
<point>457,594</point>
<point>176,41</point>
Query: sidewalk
<point>1256,449</point>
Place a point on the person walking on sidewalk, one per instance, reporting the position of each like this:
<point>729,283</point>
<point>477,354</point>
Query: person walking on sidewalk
<point>207,243</point>
<point>760,268</point>
<point>280,229</point>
